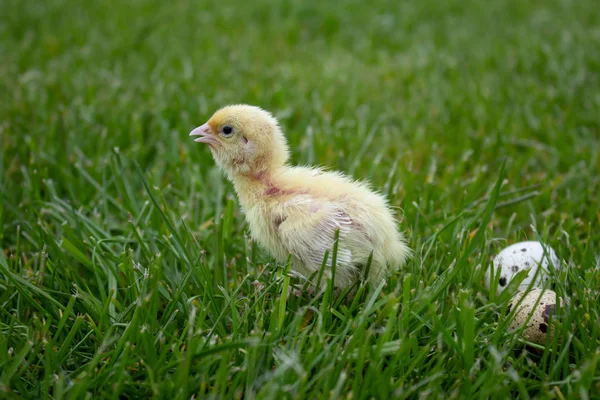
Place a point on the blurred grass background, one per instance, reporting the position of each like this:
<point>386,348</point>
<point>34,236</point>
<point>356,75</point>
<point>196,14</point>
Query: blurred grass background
<point>426,99</point>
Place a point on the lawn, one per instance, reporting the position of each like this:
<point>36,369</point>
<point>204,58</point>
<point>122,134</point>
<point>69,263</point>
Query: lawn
<point>127,268</point>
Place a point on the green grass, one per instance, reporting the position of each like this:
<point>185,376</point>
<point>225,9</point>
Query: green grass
<point>119,282</point>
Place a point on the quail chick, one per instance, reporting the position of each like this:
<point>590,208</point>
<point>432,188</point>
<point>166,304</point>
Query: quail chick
<point>297,210</point>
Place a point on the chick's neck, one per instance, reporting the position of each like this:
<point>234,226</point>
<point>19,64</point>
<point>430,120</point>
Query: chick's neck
<point>255,188</point>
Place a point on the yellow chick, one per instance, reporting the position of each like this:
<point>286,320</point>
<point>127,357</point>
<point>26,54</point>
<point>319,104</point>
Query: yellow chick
<point>297,210</point>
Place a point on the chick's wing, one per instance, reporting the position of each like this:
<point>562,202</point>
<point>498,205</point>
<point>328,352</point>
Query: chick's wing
<point>306,226</point>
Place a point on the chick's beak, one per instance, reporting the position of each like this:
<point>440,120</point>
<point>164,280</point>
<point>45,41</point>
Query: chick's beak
<point>206,135</point>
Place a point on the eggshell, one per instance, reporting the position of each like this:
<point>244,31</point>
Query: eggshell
<point>518,257</point>
<point>535,316</point>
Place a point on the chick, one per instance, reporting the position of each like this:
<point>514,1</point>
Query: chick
<point>297,210</point>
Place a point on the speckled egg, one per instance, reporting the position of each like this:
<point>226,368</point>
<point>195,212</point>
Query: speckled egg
<point>537,328</point>
<point>518,257</point>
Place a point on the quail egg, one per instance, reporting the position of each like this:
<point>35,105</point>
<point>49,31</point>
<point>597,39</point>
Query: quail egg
<point>518,257</point>
<point>535,316</point>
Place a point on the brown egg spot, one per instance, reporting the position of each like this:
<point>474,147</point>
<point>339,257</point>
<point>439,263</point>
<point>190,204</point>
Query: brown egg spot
<point>543,327</point>
<point>549,310</point>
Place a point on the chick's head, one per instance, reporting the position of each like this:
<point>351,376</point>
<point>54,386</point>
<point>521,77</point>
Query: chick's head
<point>244,139</point>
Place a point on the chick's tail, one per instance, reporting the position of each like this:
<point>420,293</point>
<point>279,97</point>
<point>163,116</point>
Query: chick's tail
<point>399,252</point>
<point>395,254</point>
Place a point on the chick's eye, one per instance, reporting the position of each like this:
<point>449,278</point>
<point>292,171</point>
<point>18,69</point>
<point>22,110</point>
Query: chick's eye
<point>227,130</point>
